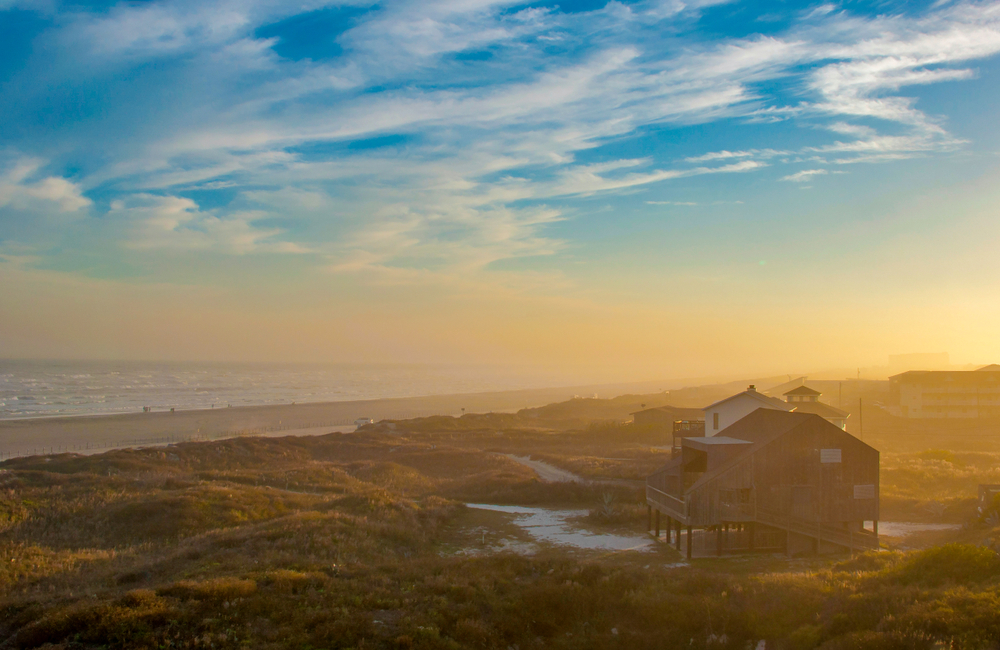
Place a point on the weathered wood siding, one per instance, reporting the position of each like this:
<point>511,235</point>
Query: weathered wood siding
<point>786,477</point>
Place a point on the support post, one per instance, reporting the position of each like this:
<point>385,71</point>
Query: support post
<point>669,528</point>
<point>649,518</point>
<point>657,523</point>
<point>689,543</point>
<point>677,537</point>
<point>752,533</point>
<point>875,527</point>
<point>718,540</point>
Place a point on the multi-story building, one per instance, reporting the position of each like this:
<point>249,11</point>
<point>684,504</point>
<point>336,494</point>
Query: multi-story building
<point>946,393</point>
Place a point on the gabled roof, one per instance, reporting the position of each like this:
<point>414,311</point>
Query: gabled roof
<point>804,390</point>
<point>754,430</point>
<point>764,425</point>
<point>760,427</point>
<point>820,409</point>
<point>767,402</point>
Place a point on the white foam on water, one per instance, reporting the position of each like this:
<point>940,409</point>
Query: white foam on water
<point>53,388</point>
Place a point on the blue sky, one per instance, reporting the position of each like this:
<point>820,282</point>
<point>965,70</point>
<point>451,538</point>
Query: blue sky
<point>659,187</point>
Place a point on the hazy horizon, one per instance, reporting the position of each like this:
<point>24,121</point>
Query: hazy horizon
<point>608,190</point>
<point>519,376</point>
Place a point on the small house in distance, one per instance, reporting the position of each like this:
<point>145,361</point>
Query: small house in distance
<point>776,481</point>
<point>667,415</point>
<point>806,400</point>
<point>674,421</point>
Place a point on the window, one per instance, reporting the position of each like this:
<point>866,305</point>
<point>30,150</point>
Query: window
<point>734,497</point>
<point>715,421</point>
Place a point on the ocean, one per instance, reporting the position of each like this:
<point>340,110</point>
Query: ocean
<point>62,388</point>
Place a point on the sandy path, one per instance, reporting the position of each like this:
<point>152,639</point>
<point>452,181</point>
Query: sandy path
<point>557,527</point>
<point>546,472</point>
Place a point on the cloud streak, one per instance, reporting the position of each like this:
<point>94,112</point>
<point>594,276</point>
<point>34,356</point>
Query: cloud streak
<point>447,136</point>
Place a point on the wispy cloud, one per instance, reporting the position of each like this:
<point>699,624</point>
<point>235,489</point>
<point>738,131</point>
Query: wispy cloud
<point>21,186</point>
<point>804,175</point>
<point>447,134</point>
<point>170,222</point>
<point>725,155</point>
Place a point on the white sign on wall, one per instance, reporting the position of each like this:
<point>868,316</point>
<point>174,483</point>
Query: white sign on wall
<point>864,491</point>
<point>829,455</point>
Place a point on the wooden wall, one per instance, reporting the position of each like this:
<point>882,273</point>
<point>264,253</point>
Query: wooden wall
<point>786,476</point>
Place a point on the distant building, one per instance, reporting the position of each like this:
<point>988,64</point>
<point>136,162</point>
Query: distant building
<point>801,394</point>
<point>360,422</point>
<point>667,415</point>
<point>806,400</point>
<point>946,393</point>
<point>776,480</point>
<point>725,412</point>
<point>677,421</point>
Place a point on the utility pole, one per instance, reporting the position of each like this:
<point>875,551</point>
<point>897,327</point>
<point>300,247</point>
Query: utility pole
<point>861,420</point>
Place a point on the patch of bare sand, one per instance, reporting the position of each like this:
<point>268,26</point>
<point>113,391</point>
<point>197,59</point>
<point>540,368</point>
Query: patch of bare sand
<point>556,527</point>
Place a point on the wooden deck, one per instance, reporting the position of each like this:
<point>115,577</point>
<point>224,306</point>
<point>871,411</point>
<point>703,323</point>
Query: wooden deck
<point>678,510</point>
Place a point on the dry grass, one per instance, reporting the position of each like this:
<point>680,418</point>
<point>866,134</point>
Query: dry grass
<point>348,541</point>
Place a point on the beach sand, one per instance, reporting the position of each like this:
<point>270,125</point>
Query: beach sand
<point>100,432</point>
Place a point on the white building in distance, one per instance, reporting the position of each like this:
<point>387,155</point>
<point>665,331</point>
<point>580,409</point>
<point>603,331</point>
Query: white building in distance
<point>725,412</point>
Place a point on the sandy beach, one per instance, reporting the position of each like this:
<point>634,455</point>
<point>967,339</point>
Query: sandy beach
<point>100,432</point>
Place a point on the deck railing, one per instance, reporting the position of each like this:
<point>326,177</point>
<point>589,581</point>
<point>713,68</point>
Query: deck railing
<point>668,503</point>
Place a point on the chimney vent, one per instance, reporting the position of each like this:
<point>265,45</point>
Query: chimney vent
<point>752,387</point>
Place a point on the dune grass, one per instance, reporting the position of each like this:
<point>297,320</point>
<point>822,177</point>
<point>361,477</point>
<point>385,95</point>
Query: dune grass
<point>353,541</point>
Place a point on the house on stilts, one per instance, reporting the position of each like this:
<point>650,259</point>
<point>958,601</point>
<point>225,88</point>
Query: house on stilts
<point>772,481</point>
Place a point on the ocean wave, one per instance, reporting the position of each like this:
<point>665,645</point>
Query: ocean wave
<point>66,388</point>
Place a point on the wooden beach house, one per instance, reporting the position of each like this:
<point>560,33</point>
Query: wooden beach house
<point>774,481</point>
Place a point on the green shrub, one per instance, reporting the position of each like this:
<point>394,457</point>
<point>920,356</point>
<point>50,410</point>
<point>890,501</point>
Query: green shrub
<point>951,563</point>
<point>806,637</point>
<point>867,561</point>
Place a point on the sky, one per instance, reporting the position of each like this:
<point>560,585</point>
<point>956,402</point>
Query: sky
<point>607,190</point>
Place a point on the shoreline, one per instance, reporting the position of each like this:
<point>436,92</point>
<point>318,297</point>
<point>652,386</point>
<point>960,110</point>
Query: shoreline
<point>25,436</point>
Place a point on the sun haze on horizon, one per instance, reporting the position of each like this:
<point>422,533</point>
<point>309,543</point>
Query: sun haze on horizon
<point>640,189</point>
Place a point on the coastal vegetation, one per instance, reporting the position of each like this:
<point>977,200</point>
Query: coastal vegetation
<point>363,540</point>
